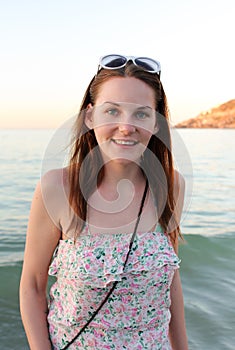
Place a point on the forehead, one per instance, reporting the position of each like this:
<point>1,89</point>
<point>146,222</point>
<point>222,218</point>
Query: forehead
<point>126,89</point>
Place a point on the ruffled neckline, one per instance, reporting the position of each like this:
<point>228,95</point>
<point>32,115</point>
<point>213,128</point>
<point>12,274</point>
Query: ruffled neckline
<point>98,259</point>
<point>86,232</point>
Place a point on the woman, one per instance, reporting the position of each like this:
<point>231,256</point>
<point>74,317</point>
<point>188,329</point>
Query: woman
<point>111,219</point>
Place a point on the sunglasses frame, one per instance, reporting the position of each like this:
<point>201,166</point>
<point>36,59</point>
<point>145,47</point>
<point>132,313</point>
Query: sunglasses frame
<point>130,58</point>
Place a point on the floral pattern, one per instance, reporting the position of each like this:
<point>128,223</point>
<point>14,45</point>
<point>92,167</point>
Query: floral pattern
<point>136,315</point>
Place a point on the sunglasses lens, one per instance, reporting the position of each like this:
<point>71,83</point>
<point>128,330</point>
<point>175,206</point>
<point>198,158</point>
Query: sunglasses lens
<point>118,61</point>
<point>113,61</point>
<point>148,64</point>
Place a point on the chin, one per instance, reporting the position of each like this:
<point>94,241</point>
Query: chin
<point>123,156</point>
<point>123,161</point>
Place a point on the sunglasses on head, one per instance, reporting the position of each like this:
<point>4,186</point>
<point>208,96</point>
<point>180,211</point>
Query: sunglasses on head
<point>119,61</point>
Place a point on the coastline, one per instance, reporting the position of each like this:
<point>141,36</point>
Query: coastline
<point>220,117</point>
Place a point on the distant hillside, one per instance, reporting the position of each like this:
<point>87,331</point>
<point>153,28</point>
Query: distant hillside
<point>222,116</point>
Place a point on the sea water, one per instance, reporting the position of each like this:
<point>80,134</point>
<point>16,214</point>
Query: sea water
<point>208,224</point>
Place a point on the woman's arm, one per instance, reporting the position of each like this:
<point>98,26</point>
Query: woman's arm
<point>177,328</point>
<point>179,192</point>
<point>42,238</point>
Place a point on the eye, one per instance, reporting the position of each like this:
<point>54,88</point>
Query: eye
<point>112,112</point>
<point>141,115</point>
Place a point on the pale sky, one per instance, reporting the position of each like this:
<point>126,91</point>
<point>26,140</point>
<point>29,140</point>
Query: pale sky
<point>50,50</point>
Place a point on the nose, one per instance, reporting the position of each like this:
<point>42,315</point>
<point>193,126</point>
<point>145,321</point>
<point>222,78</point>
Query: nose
<point>126,128</point>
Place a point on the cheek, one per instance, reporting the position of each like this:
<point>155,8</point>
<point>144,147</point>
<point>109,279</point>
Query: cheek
<point>146,136</point>
<point>102,133</point>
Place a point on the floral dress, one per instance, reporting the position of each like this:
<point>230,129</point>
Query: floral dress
<point>136,315</point>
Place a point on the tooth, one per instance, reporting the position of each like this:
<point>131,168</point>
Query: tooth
<point>125,142</point>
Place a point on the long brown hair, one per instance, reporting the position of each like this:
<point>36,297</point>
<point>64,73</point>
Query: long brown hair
<point>84,178</point>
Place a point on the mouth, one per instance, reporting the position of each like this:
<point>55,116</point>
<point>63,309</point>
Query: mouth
<point>124,142</point>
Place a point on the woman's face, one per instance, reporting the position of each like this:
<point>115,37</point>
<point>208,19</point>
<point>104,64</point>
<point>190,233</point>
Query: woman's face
<point>123,118</point>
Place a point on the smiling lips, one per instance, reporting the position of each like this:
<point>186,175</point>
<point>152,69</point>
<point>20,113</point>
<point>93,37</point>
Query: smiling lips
<point>125,142</point>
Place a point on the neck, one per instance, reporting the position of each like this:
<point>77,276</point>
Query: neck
<point>114,173</point>
<point>121,181</point>
<point>121,186</point>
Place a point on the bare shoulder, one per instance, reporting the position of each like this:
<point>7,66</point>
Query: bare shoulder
<point>55,177</point>
<point>43,232</point>
<point>54,191</point>
<point>179,181</point>
<point>179,193</point>
<point>55,182</point>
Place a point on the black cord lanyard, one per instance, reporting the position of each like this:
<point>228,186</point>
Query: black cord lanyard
<point>116,282</point>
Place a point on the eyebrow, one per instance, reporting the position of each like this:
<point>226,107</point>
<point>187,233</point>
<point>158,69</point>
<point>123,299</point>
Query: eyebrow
<point>112,103</point>
<point>118,105</point>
